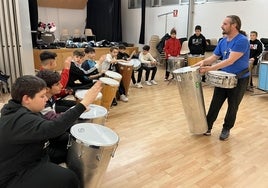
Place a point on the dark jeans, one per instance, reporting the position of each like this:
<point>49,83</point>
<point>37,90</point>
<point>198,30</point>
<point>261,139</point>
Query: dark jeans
<point>148,70</point>
<point>139,76</point>
<point>45,175</point>
<point>233,96</point>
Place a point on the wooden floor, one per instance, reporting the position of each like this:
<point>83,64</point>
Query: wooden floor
<point>156,149</point>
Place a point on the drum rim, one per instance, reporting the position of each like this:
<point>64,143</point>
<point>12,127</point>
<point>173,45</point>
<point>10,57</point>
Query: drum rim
<point>103,110</point>
<point>113,81</point>
<point>118,76</point>
<point>97,127</point>
<point>99,96</point>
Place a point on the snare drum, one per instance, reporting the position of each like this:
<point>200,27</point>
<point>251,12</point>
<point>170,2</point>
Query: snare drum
<point>113,75</point>
<point>109,89</point>
<point>96,114</point>
<point>221,79</point>
<point>91,147</point>
<point>136,64</point>
<point>125,69</point>
<point>80,93</point>
<point>193,59</point>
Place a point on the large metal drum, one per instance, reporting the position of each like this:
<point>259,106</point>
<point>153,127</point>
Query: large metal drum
<point>263,76</point>
<point>190,88</point>
<point>96,114</point>
<point>91,147</point>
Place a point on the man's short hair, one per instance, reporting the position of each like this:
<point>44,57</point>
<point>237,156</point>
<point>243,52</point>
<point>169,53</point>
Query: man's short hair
<point>89,50</point>
<point>26,85</point>
<point>47,55</point>
<point>49,76</point>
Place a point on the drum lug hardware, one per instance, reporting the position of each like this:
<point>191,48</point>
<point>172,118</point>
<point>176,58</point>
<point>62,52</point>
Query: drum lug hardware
<point>69,144</point>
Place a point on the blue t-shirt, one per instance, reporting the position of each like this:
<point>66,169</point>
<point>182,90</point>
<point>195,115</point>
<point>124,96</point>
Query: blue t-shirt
<point>238,44</point>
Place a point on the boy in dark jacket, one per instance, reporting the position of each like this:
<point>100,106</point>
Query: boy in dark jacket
<point>24,136</point>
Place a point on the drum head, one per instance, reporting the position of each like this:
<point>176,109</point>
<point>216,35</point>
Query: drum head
<point>80,94</point>
<point>109,81</point>
<point>91,134</point>
<point>113,74</point>
<point>95,111</point>
<point>135,62</point>
<point>126,63</point>
<point>185,69</point>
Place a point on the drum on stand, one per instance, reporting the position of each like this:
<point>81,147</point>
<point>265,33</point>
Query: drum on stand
<point>191,93</point>
<point>96,114</point>
<point>125,69</point>
<point>91,147</point>
<point>221,79</point>
<point>80,93</point>
<point>109,89</point>
<point>113,75</point>
<point>193,59</point>
<point>263,76</point>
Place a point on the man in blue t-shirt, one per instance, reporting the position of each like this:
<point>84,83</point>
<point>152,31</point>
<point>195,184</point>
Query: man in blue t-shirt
<point>234,50</point>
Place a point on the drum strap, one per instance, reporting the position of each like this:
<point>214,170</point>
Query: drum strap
<point>239,75</point>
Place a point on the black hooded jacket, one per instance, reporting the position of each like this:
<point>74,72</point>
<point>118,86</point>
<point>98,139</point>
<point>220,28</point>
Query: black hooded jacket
<point>23,137</point>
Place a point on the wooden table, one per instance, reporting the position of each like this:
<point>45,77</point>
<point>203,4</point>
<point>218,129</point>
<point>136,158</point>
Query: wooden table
<point>63,53</point>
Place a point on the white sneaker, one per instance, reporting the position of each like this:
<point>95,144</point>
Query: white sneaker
<point>138,85</point>
<point>153,82</point>
<point>123,98</point>
<point>148,83</point>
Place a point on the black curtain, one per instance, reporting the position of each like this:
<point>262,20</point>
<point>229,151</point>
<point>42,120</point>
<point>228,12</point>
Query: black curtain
<point>104,18</point>
<point>33,11</point>
<point>142,32</point>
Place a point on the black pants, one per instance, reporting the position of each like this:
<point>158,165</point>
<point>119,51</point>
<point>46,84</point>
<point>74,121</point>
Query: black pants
<point>233,96</point>
<point>139,76</point>
<point>148,70</point>
<point>45,175</point>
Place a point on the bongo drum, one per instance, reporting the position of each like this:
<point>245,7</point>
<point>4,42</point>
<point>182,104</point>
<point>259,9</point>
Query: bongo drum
<point>221,79</point>
<point>80,93</point>
<point>91,147</point>
<point>136,64</point>
<point>109,89</point>
<point>96,114</point>
<point>125,69</point>
<point>193,59</point>
<point>113,75</point>
<point>191,94</point>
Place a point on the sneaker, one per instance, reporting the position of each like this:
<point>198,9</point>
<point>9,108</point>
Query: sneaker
<point>138,85</point>
<point>123,98</point>
<point>250,89</point>
<point>153,82</point>
<point>148,83</point>
<point>208,133</point>
<point>224,134</point>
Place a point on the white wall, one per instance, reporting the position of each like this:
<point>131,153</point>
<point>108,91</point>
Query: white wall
<point>209,16</point>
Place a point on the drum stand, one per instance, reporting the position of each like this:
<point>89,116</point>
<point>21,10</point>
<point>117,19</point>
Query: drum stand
<point>175,61</point>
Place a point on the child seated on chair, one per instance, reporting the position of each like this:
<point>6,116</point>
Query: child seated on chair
<point>148,64</point>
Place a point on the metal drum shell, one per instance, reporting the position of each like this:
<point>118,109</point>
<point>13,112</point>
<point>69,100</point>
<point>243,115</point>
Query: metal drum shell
<point>191,94</point>
<point>89,160</point>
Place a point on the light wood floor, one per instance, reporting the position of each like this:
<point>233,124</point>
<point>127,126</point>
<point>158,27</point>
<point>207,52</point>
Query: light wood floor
<point>156,149</point>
